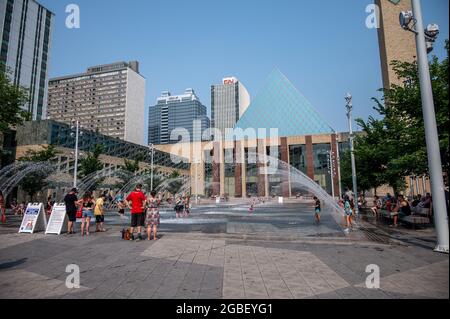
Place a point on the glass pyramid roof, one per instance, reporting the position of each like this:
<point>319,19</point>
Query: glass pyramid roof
<point>280,105</point>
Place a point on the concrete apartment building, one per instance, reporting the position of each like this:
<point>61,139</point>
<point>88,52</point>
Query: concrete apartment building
<point>107,98</point>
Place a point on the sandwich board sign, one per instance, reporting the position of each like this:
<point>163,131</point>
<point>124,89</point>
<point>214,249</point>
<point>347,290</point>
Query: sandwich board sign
<point>57,222</point>
<point>34,219</point>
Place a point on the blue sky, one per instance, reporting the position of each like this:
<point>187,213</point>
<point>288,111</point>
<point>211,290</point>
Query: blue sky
<point>322,46</point>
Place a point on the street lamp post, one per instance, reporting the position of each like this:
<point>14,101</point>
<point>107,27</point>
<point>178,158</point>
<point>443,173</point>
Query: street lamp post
<point>349,106</point>
<point>196,180</point>
<point>338,168</point>
<point>331,170</point>
<point>424,40</point>
<point>152,152</point>
<point>77,134</point>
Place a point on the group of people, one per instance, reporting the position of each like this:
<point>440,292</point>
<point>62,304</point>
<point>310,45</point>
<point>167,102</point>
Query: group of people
<point>144,211</point>
<point>85,208</point>
<point>399,206</point>
<point>182,206</point>
<point>18,208</point>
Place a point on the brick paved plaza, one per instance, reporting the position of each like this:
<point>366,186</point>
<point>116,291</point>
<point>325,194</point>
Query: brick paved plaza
<point>224,252</point>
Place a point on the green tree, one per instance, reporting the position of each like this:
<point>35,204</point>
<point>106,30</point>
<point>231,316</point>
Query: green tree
<point>394,145</point>
<point>36,181</point>
<point>12,100</point>
<point>91,164</point>
<point>157,180</point>
<point>175,182</point>
<point>133,166</point>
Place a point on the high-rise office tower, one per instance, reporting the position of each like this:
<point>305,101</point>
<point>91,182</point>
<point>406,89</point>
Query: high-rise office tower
<point>25,30</point>
<point>109,98</point>
<point>229,101</point>
<point>182,116</point>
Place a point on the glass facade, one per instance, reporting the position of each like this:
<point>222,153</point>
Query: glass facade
<point>25,31</point>
<point>208,173</point>
<point>174,116</point>
<point>297,159</point>
<point>280,105</point>
<point>229,172</point>
<point>274,178</point>
<point>320,158</point>
<point>251,171</point>
<point>59,134</point>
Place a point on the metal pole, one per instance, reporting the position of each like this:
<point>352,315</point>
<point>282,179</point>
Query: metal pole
<point>423,186</point>
<point>338,168</point>
<point>431,135</point>
<point>151,173</point>
<point>330,164</point>
<point>75,170</point>
<point>196,182</point>
<point>352,151</point>
<point>417,185</point>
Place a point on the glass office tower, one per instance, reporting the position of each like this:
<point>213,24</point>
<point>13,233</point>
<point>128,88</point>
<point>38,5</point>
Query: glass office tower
<point>178,118</point>
<point>25,30</point>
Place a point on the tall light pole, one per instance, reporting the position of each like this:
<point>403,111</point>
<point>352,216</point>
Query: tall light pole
<point>77,134</point>
<point>424,40</point>
<point>152,152</point>
<point>349,106</point>
<point>331,170</point>
<point>338,168</point>
<point>196,180</point>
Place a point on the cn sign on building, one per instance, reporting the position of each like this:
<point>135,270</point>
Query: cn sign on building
<point>228,81</point>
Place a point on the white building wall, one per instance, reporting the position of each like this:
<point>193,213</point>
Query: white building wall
<point>134,109</point>
<point>244,99</point>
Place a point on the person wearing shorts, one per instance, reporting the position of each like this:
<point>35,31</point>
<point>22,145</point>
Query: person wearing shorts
<point>179,207</point>
<point>152,216</point>
<point>348,213</point>
<point>317,209</point>
<point>87,203</point>
<point>99,213</point>
<point>136,202</point>
<point>71,209</point>
<point>121,206</point>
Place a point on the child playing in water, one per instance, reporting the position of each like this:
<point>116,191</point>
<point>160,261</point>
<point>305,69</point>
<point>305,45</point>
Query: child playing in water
<point>179,206</point>
<point>348,213</point>
<point>250,210</point>
<point>317,209</point>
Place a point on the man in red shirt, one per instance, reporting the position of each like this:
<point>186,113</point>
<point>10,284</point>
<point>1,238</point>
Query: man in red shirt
<point>137,200</point>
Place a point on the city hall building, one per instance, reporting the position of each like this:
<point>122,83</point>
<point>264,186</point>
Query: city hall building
<point>279,122</point>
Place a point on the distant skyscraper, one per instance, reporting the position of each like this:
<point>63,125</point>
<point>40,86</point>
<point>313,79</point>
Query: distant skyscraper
<point>229,101</point>
<point>175,115</point>
<point>26,28</point>
<point>109,98</point>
